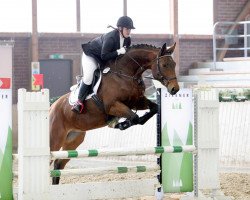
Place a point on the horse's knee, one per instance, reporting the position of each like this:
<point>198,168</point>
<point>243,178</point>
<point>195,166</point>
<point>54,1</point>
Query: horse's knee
<point>135,119</point>
<point>153,108</point>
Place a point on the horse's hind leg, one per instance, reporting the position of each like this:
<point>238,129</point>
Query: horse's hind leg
<point>73,140</point>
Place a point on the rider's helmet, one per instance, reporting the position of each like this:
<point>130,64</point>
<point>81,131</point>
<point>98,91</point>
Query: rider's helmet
<point>126,22</point>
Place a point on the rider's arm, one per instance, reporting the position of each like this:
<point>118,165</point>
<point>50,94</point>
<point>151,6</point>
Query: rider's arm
<point>108,49</point>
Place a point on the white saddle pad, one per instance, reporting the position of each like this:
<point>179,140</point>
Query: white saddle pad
<point>73,97</point>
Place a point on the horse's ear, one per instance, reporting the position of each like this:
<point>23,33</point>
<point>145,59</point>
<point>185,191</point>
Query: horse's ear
<point>163,50</point>
<point>170,49</point>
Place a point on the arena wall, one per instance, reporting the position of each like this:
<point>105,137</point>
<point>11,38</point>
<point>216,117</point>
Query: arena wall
<point>193,48</point>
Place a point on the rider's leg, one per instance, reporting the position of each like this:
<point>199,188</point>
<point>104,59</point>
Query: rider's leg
<point>90,66</point>
<point>84,90</point>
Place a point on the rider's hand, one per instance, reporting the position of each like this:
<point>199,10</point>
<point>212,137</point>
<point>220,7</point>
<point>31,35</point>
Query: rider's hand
<point>121,51</point>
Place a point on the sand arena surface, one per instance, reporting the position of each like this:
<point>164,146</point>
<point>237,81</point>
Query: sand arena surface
<point>236,185</point>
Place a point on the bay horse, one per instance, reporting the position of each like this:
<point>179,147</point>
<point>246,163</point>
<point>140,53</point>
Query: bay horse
<point>121,91</point>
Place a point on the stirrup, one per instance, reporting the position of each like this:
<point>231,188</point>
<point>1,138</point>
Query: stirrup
<point>78,107</point>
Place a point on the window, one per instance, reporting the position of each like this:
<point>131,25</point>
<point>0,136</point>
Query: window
<point>15,16</point>
<point>151,16</point>
<point>56,15</point>
<point>96,15</point>
<point>195,17</point>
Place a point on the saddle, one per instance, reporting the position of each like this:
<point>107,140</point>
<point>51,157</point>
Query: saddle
<point>97,77</point>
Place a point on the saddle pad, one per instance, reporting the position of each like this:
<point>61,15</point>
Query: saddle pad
<point>73,97</point>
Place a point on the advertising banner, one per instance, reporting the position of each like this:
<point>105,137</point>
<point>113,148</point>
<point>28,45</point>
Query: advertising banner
<point>35,69</point>
<point>177,130</point>
<point>6,120</point>
<point>5,144</point>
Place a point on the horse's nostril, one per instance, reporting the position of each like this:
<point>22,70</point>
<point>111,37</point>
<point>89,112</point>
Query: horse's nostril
<point>174,91</point>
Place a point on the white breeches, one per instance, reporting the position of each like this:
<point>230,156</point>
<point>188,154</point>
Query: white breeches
<point>89,65</point>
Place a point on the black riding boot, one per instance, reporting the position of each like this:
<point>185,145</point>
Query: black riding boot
<point>78,106</point>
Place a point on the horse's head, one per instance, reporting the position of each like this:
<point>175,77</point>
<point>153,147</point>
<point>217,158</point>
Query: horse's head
<point>142,57</point>
<point>164,69</point>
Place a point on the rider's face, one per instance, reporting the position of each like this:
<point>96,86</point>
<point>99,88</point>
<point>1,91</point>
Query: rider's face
<point>126,32</point>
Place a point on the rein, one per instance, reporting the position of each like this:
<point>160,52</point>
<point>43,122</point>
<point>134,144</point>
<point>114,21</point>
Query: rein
<point>143,68</point>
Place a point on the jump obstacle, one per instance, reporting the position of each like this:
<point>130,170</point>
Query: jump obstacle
<point>34,156</point>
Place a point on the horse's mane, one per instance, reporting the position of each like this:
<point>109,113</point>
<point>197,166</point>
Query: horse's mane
<point>134,47</point>
<point>142,46</point>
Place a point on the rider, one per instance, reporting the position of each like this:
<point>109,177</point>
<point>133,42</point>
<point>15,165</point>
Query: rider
<point>100,50</point>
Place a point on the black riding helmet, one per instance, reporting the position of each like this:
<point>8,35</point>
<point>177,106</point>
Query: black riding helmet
<point>126,22</point>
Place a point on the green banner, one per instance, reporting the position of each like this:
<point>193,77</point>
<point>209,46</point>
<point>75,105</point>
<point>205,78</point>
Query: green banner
<point>177,130</point>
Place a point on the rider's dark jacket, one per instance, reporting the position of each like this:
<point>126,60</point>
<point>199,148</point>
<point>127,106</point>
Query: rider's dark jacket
<point>103,48</point>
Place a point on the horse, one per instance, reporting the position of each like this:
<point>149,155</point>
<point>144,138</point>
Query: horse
<point>121,91</point>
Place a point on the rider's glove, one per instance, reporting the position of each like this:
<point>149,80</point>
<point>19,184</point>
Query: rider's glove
<point>121,51</point>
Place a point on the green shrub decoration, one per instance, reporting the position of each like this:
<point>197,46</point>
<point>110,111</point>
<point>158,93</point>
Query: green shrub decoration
<point>236,95</point>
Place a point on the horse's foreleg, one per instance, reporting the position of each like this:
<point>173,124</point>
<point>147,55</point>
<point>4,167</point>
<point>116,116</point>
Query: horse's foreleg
<point>73,140</point>
<point>122,111</point>
<point>153,110</point>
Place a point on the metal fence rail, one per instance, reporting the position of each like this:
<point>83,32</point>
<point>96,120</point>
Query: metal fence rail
<point>230,36</point>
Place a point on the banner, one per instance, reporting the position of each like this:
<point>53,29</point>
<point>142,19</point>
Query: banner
<point>35,69</point>
<point>6,144</point>
<point>177,130</point>
<point>5,83</point>
<point>6,120</point>
<point>38,80</point>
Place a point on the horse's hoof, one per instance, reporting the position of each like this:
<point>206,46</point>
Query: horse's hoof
<point>125,125</point>
<point>119,126</point>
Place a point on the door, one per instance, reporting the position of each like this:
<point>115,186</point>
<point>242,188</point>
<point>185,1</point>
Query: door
<point>57,75</point>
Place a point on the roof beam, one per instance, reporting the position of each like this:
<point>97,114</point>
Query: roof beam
<point>78,16</point>
<point>125,7</point>
<point>174,30</point>
<point>34,39</point>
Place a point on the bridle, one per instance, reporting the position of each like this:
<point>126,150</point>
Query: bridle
<point>159,72</point>
<point>142,68</point>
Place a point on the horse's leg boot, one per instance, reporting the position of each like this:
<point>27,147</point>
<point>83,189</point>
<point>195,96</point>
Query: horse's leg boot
<point>127,123</point>
<point>78,106</point>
